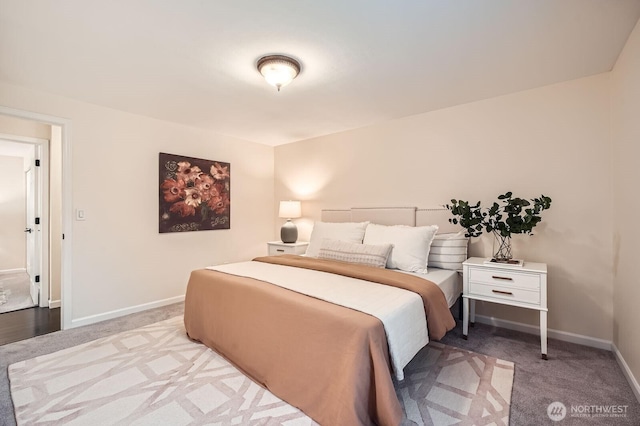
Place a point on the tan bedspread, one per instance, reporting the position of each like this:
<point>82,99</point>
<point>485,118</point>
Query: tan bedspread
<point>330,361</point>
<point>439,318</point>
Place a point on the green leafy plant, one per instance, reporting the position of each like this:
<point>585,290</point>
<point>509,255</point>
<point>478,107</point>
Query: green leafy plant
<point>511,215</point>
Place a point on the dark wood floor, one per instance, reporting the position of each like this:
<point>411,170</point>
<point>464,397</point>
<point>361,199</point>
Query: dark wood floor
<point>27,323</point>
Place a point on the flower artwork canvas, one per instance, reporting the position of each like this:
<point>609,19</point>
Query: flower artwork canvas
<point>195,194</point>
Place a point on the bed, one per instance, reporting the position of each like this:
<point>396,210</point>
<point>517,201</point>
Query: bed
<point>335,361</point>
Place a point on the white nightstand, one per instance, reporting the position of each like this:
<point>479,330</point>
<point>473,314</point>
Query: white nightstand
<point>524,287</point>
<point>278,247</point>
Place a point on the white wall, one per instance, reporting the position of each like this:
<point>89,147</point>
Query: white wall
<point>119,258</point>
<point>553,140</point>
<point>626,143</point>
<point>13,254</point>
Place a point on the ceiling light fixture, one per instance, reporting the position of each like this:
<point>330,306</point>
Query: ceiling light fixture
<point>278,70</point>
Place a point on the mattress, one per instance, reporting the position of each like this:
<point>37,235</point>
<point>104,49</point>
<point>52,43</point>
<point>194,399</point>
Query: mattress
<point>450,282</point>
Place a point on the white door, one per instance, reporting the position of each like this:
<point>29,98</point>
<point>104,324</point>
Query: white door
<point>32,232</point>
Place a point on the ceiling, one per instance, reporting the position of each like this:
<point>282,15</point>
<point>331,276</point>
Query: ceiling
<point>363,61</point>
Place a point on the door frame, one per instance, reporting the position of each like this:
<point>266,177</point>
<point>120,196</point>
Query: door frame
<point>67,209</point>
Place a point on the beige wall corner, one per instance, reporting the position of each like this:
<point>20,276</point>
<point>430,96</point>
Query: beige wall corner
<point>625,101</point>
<point>552,140</point>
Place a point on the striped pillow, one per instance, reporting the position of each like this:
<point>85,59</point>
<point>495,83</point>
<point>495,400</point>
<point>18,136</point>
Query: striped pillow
<point>375,255</point>
<point>448,251</point>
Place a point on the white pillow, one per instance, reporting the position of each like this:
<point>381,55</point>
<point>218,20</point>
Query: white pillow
<point>410,245</point>
<point>375,255</point>
<point>448,251</point>
<point>348,231</point>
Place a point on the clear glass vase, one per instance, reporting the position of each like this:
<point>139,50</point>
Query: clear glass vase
<point>501,247</point>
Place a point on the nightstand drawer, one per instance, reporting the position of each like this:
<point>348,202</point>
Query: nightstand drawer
<point>505,278</point>
<point>277,248</point>
<point>506,293</point>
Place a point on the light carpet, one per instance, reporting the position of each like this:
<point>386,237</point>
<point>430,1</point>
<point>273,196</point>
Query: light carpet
<point>155,375</point>
<point>444,385</point>
<point>15,292</point>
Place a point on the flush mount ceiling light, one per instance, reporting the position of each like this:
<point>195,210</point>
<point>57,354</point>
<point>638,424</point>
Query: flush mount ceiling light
<point>278,70</point>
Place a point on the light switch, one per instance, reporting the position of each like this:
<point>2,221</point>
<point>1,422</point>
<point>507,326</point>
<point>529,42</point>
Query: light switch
<point>80,215</point>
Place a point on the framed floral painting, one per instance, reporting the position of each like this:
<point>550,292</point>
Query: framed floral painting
<point>195,194</point>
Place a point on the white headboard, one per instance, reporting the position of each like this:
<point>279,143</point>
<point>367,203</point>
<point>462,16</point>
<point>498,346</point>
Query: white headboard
<point>385,216</point>
<point>411,216</point>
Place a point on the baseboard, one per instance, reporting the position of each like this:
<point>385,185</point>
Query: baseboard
<point>627,372</point>
<point>92,319</point>
<point>54,304</point>
<point>554,334</point>
<point>12,271</point>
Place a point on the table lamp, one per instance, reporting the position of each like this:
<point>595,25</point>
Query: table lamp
<point>289,210</point>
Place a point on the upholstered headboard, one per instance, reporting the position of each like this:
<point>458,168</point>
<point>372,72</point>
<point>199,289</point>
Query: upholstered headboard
<point>411,216</point>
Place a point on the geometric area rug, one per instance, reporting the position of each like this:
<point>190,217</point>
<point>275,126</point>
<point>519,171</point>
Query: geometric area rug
<point>444,385</point>
<point>155,375</point>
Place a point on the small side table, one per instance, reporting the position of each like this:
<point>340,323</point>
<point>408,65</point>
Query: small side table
<point>277,248</point>
<point>524,287</point>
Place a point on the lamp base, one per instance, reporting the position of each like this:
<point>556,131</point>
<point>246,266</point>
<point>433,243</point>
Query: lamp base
<point>289,232</point>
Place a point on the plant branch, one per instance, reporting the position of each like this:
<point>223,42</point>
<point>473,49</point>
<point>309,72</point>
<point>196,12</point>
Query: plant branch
<point>512,215</point>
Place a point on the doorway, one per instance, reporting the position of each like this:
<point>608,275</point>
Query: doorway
<point>61,231</point>
<point>21,232</point>
<point>32,260</point>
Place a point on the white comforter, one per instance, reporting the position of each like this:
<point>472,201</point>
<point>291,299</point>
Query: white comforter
<point>401,311</point>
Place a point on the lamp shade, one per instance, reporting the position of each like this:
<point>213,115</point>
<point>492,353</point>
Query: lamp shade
<point>290,209</point>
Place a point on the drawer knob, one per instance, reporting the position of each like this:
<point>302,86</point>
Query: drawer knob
<point>497,277</point>
<point>503,292</point>
<point>280,250</point>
